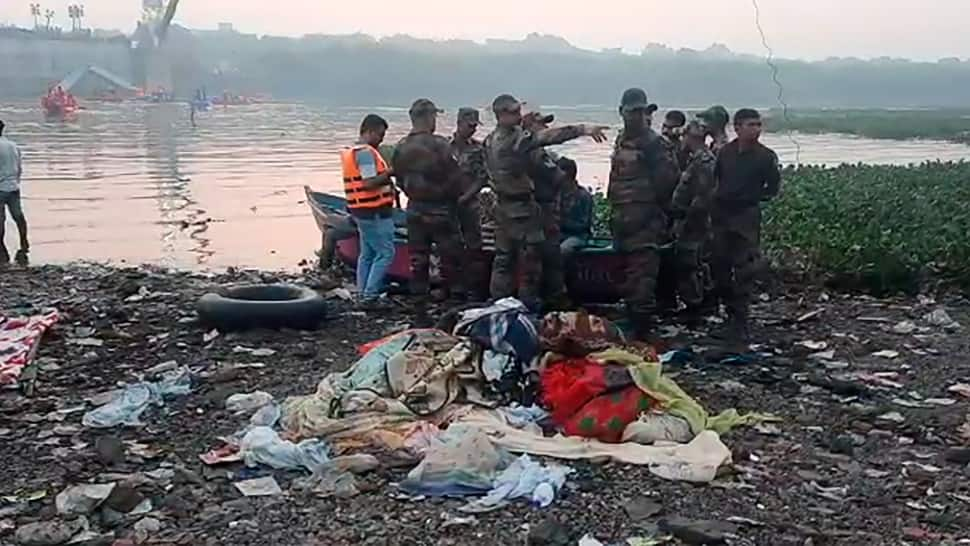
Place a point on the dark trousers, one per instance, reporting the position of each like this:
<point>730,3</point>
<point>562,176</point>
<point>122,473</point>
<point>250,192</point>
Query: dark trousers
<point>11,200</point>
<point>736,256</point>
<point>441,231</point>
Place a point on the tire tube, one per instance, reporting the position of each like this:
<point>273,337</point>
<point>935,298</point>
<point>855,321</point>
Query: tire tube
<point>271,306</point>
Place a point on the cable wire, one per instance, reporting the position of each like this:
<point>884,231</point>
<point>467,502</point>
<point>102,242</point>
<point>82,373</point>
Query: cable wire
<point>770,61</point>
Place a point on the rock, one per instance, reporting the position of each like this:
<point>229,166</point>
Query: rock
<point>958,455</point>
<point>81,500</point>
<point>843,444</point>
<point>184,476</point>
<point>50,533</point>
<point>698,532</point>
<point>549,532</point>
<point>642,508</point>
<point>110,450</point>
<point>145,528</point>
<point>124,498</point>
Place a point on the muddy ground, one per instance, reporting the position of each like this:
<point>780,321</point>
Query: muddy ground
<point>857,458</point>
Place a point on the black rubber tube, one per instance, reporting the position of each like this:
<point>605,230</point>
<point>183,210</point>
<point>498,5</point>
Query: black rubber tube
<point>270,306</point>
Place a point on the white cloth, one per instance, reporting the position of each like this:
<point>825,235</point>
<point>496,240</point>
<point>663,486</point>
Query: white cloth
<point>11,166</point>
<point>696,462</point>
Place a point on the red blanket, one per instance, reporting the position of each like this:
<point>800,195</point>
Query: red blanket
<point>19,339</point>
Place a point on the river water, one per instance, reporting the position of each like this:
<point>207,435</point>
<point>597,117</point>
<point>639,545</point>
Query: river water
<point>138,184</point>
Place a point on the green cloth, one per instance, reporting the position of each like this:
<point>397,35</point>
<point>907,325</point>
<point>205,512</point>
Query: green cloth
<point>648,376</point>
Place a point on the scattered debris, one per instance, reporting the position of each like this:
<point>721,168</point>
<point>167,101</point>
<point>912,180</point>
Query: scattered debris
<point>890,354</point>
<point>259,487</point>
<point>82,500</point>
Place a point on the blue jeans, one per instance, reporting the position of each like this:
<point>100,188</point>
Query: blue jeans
<point>376,254</point>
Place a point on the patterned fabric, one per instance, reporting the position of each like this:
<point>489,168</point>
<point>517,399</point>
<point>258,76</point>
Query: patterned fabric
<point>591,399</point>
<point>19,339</point>
<point>577,333</point>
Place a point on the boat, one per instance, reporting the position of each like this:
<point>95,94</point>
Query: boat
<point>594,275</point>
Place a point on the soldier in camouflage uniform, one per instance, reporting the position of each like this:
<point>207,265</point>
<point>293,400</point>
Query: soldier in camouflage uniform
<point>691,209</point>
<point>519,234</point>
<point>642,181</point>
<point>548,178</point>
<point>429,175</point>
<point>470,154</point>
<point>715,120</point>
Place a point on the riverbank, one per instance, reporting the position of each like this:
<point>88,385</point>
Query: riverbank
<point>862,387</point>
<point>952,125</point>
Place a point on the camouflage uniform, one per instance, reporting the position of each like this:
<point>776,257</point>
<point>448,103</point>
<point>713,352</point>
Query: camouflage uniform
<point>642,180</point>
<point>744,180</point>
<point>428,174</point>
<point>519,229</point>
<point>692,206</point>
<point>470,155</point>
<point>548,178</point>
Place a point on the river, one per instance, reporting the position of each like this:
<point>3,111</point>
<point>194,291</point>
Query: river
<point>136,183</point>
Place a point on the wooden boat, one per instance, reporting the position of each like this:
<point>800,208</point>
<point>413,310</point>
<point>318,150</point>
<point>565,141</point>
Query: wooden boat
<point>593,275</point>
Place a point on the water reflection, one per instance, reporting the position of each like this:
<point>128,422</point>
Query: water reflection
<point>137,183</point>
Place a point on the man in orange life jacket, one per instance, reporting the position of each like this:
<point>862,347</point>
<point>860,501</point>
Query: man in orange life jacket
<point>429,174</point>
<point>370,199</point>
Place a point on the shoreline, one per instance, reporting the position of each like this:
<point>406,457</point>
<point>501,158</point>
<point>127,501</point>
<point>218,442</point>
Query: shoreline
<point>846,418</point>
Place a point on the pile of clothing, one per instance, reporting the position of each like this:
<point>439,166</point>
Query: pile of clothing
<point>504,382</point>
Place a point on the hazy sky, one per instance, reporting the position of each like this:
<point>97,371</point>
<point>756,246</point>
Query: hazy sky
<point>924,29</point>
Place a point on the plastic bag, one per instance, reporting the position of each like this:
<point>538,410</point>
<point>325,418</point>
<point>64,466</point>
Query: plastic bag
<point>246,402</point>
<point>523,478</point>
<point>262,445</point>
<point>128,404</point>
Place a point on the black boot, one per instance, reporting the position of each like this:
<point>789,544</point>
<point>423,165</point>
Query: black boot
<point>22,259</point>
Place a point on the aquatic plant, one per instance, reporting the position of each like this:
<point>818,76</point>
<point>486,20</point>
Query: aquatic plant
<point>878,228</point>
<point>943,124</point>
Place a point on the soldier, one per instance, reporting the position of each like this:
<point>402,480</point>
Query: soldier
<point>747,174</point>
<point>672,130</point>
<point>691,209</point>
<point>642,180</point>
<point>716,119</point>
<point>428,174</point>
<point>548,179</point>
<point>519,234</point>
<point>470,154</point>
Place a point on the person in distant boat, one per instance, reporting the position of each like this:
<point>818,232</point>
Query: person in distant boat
<point>576,224</point>
<point>470,153</point>
<point>429,174</point>
<point>370,200</point>
<point>748,175</point>
<point>716,119</point>
<point>519,233</point>
<point>11,171</point>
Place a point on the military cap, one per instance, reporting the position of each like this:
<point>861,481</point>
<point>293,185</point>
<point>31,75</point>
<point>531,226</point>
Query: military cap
<point>424,106</point>
<point>715,115</point>
<point>505,103</point>
<point>636,99</point>
<point>469,115</point>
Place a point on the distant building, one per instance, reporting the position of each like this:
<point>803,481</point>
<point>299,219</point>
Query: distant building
<point>226,27</point>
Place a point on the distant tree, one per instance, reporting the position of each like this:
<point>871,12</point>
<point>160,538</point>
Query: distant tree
<point>35,13</point>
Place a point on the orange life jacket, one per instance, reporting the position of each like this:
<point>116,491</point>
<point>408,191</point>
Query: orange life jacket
<point>359,197</point>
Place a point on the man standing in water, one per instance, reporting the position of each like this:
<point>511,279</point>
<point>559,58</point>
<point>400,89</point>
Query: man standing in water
<point>430,176</point>
<point>519,234</point>
<point>642,180</point>
<point>370,199</point>
<point>11,170</point>
<point>747,174</point>
<point>470,154</point>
